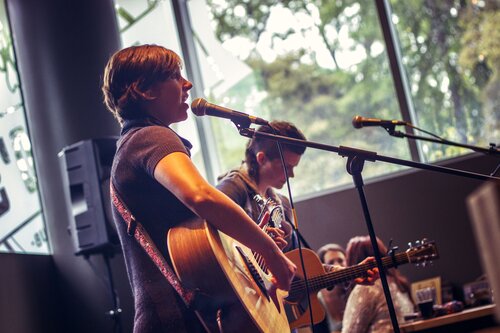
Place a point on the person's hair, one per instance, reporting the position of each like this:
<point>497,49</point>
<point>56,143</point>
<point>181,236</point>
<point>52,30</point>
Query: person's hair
<point>130,72</point>
<point>269,147</point>
<point>360,247</point>
<point>329,247</point>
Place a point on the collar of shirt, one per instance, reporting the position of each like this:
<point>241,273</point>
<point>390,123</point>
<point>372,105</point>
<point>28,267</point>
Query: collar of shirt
<point>130,124</point>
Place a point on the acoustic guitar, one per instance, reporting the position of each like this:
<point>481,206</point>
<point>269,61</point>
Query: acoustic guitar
<point>296,304</point>
<point>231,275</point>
<point>239,284</point>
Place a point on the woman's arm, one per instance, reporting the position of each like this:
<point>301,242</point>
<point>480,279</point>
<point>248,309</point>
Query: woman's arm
<point>178,174</point>
<point>359,310</point>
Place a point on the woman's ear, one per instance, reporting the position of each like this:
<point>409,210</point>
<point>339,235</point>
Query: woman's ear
<point>148,95</point>
<point>260,157</point>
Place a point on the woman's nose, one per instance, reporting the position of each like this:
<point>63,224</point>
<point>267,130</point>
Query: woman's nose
<point>187,84</point>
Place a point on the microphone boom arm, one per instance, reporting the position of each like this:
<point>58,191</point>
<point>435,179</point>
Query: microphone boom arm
<point>364,154</point>
<point>492,150</point>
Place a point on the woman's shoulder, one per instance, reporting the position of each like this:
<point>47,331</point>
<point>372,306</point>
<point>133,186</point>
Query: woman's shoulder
<point>238,178</point>
<point>154,131</point>
<point>232,182</point>
<point>144,147</point>
<point>154,136</point>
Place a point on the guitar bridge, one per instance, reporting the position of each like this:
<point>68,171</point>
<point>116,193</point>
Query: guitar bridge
<point>253,272</point>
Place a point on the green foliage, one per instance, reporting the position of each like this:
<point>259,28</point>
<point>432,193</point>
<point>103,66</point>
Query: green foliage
<point>451,53</point>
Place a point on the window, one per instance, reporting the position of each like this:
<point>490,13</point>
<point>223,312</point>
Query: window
<point>22,228</point>
<point>318,64</point>
<point>153,22</point>
<point>451,51</point>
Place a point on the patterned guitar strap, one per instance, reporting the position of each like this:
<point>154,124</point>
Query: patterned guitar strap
<point>193,298</point>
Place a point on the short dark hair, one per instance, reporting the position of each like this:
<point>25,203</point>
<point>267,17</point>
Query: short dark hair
<point>130,72</point>
<point>269,147</point>
<point>329,247</point>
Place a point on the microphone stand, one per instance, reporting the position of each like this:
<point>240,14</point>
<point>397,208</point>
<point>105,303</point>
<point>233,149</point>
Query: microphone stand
<point>492,150</point>
<point>355,162</point>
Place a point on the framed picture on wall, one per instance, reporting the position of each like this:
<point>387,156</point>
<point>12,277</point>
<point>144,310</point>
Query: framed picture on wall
<point>433,283</point>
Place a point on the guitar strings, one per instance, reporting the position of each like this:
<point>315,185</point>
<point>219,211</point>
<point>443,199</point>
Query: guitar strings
<point>342,275</point>
<point>258,257</point>
<point>347,274</point>
<point>276,219</point>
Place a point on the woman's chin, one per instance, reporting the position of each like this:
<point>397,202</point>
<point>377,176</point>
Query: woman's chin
<point>183,115</point>
<point>280,185</point>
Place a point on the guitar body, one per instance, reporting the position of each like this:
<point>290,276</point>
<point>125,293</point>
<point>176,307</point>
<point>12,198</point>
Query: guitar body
<point>297,310</point>
<point>227,271</point>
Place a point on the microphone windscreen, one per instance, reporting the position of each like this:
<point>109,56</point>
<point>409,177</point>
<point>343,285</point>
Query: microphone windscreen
<point>357,122</point>
<point>198,106</point>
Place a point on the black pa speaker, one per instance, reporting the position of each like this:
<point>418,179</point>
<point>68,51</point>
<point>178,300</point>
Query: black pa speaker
<point>86,167</point>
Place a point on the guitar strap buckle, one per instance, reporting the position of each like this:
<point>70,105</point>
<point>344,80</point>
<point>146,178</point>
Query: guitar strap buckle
<point>131,225</point>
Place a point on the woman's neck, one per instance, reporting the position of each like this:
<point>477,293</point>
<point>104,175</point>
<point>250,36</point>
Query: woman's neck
<point>263,189</point>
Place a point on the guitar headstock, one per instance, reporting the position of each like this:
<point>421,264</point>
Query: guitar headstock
<point>277,217</point>
<point>275,210</point>
<point>422,252</point>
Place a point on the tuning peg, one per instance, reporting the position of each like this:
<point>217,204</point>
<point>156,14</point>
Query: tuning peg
<point>410,244</point>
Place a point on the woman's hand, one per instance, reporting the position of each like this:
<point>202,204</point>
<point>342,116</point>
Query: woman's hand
<point>276,234</point>
<point>372,274</point>
<point>282,268</point>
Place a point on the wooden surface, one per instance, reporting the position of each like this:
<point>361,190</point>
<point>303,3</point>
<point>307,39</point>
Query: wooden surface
<point>298,316</point>
<point>453,318</point>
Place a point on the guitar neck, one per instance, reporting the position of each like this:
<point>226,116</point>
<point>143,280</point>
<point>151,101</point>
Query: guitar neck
<point>347,274</point>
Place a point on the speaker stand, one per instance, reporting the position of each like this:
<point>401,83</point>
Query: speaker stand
<point>116,311</point>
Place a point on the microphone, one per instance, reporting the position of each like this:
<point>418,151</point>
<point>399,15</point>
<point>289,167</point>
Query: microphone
<point>201,107</point>
<point>359,122</point>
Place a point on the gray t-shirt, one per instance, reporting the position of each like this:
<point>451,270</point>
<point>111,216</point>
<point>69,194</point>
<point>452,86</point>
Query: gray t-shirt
<point>142,144</point>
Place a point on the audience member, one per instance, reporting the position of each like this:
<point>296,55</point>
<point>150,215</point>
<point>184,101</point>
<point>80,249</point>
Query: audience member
<point>366,309</point>
<point>333,300</point>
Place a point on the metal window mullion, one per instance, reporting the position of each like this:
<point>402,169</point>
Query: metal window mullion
<point>207,141</point>
<point>398,73</point>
